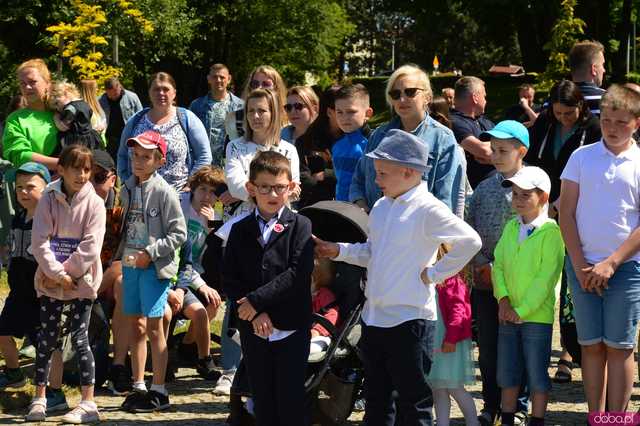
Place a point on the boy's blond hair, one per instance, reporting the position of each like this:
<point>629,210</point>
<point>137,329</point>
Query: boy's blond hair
<point>61,88</point>
<point>621,98</point>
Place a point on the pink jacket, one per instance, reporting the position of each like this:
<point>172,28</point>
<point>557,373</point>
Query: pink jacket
<point>74,232</point>
<point>453,298</point>
<point>320,300</point>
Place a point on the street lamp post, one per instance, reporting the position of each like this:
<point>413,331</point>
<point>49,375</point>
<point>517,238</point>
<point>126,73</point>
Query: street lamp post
<point>393,54</point>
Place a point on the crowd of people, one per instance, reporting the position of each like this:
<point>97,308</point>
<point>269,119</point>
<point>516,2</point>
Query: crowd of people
<point>164,212</point>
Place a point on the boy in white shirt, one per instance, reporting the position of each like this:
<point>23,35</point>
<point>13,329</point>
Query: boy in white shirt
<point>406,228</point>
<point>599,220</point>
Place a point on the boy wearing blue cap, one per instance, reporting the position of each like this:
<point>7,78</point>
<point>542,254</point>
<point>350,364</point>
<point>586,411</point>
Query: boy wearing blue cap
<point>20,315</point>
<point>489,210</point>
<point>407,226</point>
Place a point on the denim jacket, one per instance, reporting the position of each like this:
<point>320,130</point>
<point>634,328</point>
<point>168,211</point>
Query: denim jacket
<point>129,104</point>
<point>198,155</point>
<point>445,174</point>
<point>202,107</point>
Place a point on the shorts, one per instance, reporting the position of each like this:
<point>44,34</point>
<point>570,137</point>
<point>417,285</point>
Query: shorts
<point>613,317</point>
<point>192,296</point>
<point>143,292</point>
<point>20,316</point>
<point>524,349</point>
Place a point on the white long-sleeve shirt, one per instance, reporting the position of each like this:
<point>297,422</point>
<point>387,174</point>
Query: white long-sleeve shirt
<point>404,236</point>
<point>239,154</point>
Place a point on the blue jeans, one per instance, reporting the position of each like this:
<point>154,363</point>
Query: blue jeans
<point>485,310</point>
<point>398,358</point>
<point>613,317</point>
<point>231,352</point>
<point>524,348</point>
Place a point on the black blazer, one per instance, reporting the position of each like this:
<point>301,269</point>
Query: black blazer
<point>276,278</point>
<point>541,136</point>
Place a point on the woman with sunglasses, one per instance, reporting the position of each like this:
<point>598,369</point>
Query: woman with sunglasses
<point>302,110</point>
<point>408,93</point>
<point>262,77</point>
<point>188,147</point>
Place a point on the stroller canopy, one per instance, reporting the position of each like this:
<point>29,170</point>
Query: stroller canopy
<point>338,221</point>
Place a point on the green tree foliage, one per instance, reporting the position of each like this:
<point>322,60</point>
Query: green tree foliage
<point>564,34</point>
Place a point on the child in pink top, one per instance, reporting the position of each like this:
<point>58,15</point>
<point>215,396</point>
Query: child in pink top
<point>68,229</point>
<point>323,302</point>
<point>452,366</point>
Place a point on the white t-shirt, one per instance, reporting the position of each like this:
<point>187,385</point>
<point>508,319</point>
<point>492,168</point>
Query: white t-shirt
<point>238,158</point>
<point>608,209</point>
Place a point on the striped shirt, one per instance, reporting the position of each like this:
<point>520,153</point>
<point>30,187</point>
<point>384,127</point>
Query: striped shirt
<point>592,95</point>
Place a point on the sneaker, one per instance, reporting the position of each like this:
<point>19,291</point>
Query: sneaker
<point>152,401</point>
<point>223,386</point>
<point>37,410</point>
<point>132,399</point>
<point>206,368</point>
<point>28,351</point>
<point>56,401</point>
<point>120,381</point>
<point>85,412</point>
<point>485,418</point>
<point>12,378</point>
<point>359,404</point>
<point>520,418</point>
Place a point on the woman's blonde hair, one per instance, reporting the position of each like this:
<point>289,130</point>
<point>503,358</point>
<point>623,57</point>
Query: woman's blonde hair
<point>308,96</point>
<point>279,87</point>
<point>89,93</point>
<point>60,88</point>
<point>273,130</point>
<point>414,71</point>
<point>37,64</point>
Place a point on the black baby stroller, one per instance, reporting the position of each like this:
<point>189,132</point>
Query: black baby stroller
<point>334,376</point>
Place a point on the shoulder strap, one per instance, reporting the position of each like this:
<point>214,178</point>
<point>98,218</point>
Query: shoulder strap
<point>183,119</point>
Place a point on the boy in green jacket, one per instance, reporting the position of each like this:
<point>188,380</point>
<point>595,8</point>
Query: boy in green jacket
<point>528,265</point>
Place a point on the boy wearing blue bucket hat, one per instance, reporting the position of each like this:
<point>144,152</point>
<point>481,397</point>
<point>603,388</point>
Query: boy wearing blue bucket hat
<point>407,226</point>
<point>489,210</point>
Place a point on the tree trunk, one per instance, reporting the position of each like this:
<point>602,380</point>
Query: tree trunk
<point>623,31</point>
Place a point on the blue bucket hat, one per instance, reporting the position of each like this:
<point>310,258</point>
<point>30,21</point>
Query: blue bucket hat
<point>30,168</point>
<point>508,129</point>
<point>403,148</point>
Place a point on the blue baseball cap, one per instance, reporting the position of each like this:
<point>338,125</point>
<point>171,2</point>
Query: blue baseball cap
<point>403,148</point>
<point>508,129</point>
<point>31,168</point>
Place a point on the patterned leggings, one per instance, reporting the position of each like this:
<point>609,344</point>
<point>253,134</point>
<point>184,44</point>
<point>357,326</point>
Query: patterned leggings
<point>49,338</point>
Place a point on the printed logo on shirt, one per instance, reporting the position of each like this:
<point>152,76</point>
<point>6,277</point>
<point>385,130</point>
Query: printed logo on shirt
<point>62,248</point>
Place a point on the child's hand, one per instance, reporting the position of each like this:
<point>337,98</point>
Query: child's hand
<point>506,312</point>
<point>325,248</point>
<point>245,310</point>
<point>67,283</point>
<point>60,124</point>
<point>227,198</point>
<point>314,333</point>
<point>175,298</point>
<point>143,260</point>
<point>448,347</point>
<point>296,191</point>
<point>598,275</point>
<point>262,325</point>
<point>49,283</point>
<point>207,212</point>
<point>211,296</point>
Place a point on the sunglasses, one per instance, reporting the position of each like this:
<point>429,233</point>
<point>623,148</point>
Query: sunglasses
<point>101,176</point>
<point>297,106</point>
<point>266,84</point>
<point>266,189</point>
<point>409,92</point>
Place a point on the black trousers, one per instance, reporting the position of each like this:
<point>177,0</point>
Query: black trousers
<point>398,358</point>
<point>277,372</point>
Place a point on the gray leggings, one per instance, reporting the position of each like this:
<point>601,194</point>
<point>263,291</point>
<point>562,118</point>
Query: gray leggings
<point>49,337</point>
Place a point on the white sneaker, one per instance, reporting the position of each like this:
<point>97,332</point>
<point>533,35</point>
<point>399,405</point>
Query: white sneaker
<point>223,385</point>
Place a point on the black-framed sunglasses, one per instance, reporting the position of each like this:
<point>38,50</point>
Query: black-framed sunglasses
<point>409,92</point>
<point>266,84</point>
<point>102,176</point>
<point>266,189</point>
<point>297,106</point>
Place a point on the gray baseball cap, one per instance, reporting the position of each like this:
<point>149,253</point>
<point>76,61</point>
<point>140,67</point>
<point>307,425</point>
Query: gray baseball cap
<point>403,148</point>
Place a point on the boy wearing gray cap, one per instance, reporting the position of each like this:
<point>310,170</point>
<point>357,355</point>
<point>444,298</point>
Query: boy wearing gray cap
<point>407,226</point>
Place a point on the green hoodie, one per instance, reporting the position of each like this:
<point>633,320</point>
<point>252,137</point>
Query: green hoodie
<point>528,272</point>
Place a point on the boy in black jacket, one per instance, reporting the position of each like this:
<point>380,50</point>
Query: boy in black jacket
<point>267,269</point>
